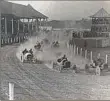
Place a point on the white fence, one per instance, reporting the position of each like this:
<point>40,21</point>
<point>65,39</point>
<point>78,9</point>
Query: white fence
<point>87,54</point>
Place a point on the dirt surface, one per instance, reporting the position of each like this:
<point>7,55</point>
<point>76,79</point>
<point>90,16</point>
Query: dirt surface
<point>36,81</point>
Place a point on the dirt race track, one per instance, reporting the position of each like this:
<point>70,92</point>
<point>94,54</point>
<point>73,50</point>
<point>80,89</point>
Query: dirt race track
<point>36,81</point>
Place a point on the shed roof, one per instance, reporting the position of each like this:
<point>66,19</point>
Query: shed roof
<point>101,13</point>
<point>20,10</point>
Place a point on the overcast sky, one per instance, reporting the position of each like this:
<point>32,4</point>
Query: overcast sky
<point>67,10</point>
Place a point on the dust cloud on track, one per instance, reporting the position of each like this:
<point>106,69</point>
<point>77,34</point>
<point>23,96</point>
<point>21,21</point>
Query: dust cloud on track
<point>48,53</point>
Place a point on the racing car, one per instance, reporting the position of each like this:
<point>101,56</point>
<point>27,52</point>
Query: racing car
<point>55,44</point>
<point>28,57</point>
<point>62,64</point>
<point>99,62</point>
<point>38,46</point>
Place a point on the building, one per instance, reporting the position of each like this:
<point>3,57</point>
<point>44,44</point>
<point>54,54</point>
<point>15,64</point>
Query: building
<point>101,23</point>
<point>99,35</point>
<point>17,19</point>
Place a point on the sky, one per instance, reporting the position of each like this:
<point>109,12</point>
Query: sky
<point>67,10</point>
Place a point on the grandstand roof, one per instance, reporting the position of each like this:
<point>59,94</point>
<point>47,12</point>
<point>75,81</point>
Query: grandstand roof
<point>8,8</point>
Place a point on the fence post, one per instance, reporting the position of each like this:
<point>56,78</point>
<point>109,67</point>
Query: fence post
<point>19,40</point>
<point>98,55</point>
<point>14,39</point>
<point>2,41</point>
<point>11,91</point>
<point>106,60</point>
<point>70,49</point>
<point>5,41</point>
<point>8,41</point>
<point>24,37</point>
<point>91,56</point>
<point>81,52</point>
<point>77,50</point>
<point>85,54</point>
<point>11,40</point>
<point>68,46</point>
<point>74,49</point>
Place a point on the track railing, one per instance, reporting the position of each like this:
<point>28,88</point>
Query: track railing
<point>90,55</point>
<point>12,40</point>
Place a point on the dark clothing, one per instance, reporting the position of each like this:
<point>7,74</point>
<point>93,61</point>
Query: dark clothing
<point>25,51</point>
<point>64,57</point>
<point>31,51</point>
<point>38,45</point>
<point>64,61</point>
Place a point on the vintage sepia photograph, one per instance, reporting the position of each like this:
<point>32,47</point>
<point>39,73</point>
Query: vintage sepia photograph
<point>54,50</point>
